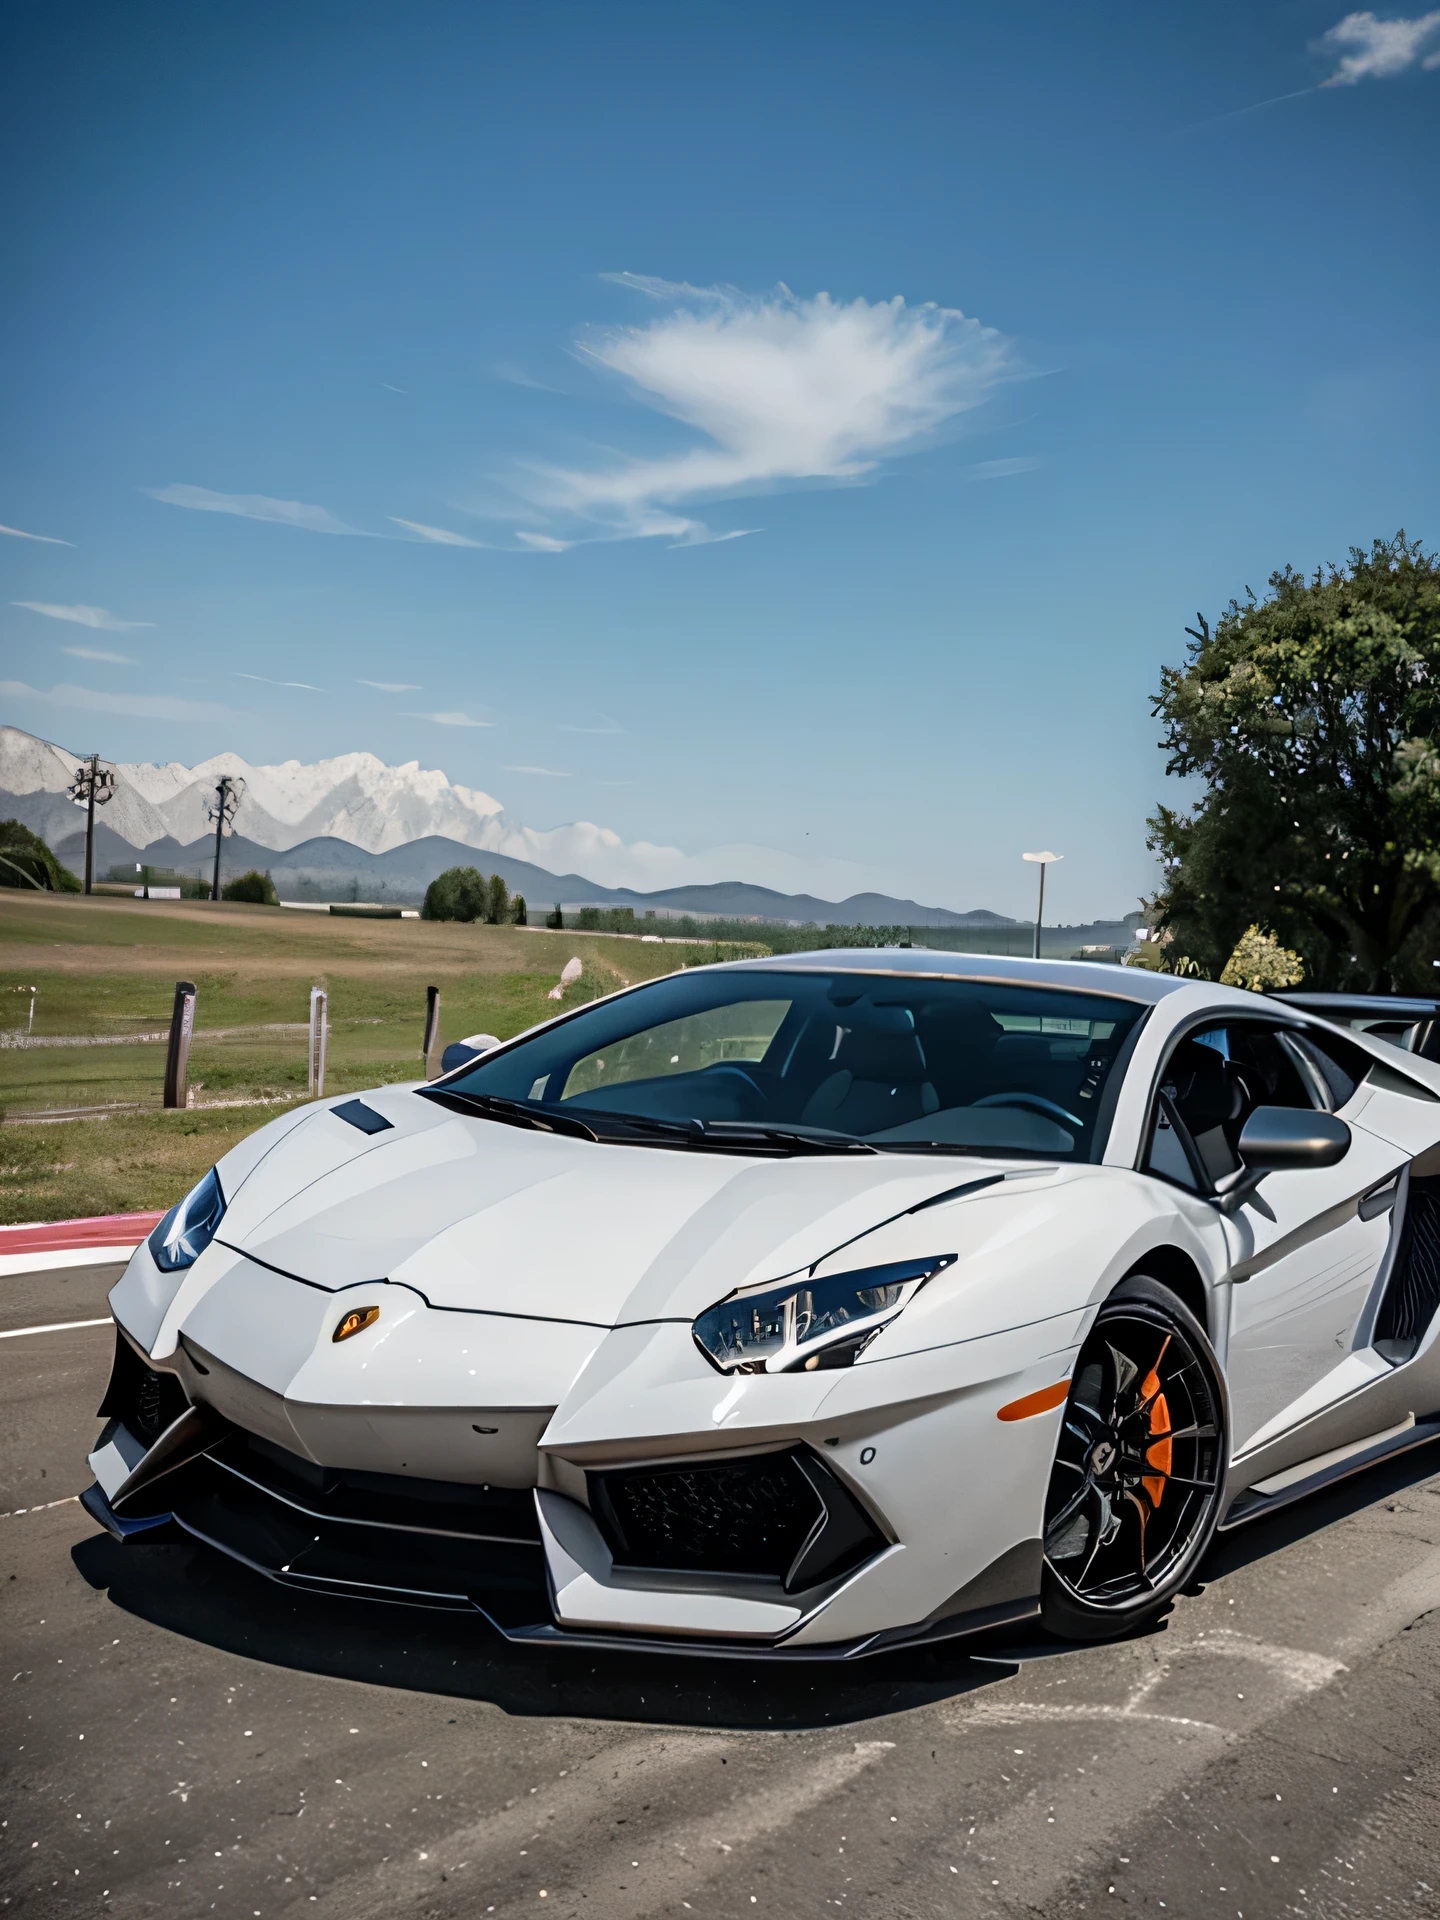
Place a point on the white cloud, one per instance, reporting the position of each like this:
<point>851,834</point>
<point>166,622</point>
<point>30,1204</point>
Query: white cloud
<point>450,719</point>
<point>303,686</point>
<point>1372,49</point>
<point>438,536</point>
<point>544,542</point>
<point>45,539</point>
<point>82,616</point>
<point>137,706</point>
<point>97,653</point>
<point>1002,469</point>
<point>253,506</point>
<point>778,390</point>
<point>391,686</point>
<point>550,773</point>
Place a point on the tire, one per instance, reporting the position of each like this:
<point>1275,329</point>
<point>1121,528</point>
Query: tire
<point>1139,1473</point>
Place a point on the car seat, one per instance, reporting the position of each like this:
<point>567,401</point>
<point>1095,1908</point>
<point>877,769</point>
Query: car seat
<point>880,1077</point>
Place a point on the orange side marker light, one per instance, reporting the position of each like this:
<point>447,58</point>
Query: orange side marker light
<point>356,1322</point>
<point>1032,1403</point>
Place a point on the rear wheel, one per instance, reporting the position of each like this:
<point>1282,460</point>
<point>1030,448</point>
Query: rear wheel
<point>1135,1490</point>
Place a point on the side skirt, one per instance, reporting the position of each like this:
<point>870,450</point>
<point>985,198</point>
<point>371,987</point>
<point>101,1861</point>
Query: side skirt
<point>1327,1470</point>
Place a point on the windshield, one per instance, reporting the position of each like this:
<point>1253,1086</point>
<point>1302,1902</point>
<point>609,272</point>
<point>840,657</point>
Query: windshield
<point>897,1063</point>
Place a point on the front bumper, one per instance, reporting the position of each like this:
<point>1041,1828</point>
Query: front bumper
<point>521,1560</point>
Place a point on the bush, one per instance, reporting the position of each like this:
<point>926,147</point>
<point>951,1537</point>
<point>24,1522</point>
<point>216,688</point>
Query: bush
<point>258,889</point>
<point>1259,961</point>
<point>26,861</point>
<point>460,893</point>
<point>464,893</point>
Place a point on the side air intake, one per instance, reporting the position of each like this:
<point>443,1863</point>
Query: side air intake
<point>1413,1294</point>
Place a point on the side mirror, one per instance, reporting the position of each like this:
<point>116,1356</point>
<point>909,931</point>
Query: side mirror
<point>460,1053</point>
<point>1275,1139</point>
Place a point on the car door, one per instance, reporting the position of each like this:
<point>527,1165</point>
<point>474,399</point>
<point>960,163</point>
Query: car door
<point>1304,1251</point>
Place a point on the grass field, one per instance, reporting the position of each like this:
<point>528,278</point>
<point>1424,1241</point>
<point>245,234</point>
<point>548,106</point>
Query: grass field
<point>106,968</point>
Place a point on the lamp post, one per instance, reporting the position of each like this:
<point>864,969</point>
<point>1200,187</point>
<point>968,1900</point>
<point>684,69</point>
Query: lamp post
<point>1042,860</point>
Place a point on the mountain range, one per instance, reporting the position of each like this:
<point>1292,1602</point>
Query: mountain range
<point>352,827</point>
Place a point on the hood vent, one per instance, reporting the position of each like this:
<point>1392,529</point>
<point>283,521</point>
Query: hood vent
<point>357,1114</point>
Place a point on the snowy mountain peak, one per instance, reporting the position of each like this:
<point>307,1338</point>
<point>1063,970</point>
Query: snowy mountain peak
<point>356,797</point>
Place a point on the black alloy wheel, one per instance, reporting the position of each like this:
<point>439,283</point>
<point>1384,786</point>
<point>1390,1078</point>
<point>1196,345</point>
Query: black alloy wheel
<point>1139,1470</point>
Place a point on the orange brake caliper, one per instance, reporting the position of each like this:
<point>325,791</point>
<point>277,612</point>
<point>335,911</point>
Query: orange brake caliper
<point>1159,1453</point>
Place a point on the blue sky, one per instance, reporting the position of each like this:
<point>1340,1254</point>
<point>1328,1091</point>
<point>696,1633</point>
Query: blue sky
<point>548,280</point>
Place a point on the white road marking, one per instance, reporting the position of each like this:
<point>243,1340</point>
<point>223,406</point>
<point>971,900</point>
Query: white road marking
<point>56,1326</point>
<point>44,1507</point>
<point>997,1714</point>
<point>675,1859</point>
<point>1304,1672</point>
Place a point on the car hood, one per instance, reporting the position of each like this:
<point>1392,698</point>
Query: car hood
<point>484,1216</point>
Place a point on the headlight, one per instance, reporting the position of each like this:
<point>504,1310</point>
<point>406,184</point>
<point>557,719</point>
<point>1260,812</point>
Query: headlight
<point>804,1324</point>
<point>185,1232</point>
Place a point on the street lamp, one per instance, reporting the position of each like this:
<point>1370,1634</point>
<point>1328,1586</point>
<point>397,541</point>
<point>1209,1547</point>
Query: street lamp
<point>1042,860</point>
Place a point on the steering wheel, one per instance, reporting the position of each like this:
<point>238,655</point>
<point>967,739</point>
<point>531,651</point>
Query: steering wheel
<point>1036,1102</point>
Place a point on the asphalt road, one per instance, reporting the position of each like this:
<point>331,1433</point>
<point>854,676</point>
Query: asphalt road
<point>181,1738</point>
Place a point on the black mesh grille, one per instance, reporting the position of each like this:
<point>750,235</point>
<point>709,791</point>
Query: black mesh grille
<point>1414,1290</point>
<point>778,1516</point>
<point>146,1401</point>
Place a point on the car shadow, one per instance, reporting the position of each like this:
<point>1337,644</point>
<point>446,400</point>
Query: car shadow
<point>188,1589</point>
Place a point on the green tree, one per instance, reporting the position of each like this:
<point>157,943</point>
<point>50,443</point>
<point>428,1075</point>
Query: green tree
<point>26,861</point>
<point>460,893</point>
<point>497,902</point>
<point>1313,719</point>
<point>256,887</point>
<point>519,912</point>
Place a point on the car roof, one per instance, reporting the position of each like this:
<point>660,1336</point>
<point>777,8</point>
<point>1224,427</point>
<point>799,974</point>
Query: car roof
<point>1073,976</point>
<point>1397,1006</point>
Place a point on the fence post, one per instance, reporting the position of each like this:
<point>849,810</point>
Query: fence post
<point>432,1027</point>
<point>319,1034</point>
<point>177,1054</point>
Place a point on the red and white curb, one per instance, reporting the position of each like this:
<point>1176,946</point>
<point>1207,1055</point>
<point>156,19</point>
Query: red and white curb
<point>40,1246</point>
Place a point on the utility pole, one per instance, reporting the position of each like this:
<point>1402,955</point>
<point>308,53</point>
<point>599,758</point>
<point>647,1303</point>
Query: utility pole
<point>1043,860</point>
<point>228,791</point>
<point>93,786</point>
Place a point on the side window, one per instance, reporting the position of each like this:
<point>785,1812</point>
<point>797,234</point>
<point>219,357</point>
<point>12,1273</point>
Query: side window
<point>1340,1066</point>
<point>1270,1073</point>
<point>1212,1083</point>
<point>1170,1155</point>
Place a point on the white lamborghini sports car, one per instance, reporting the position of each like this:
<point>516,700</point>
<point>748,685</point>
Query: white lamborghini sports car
<point>797,1308</point>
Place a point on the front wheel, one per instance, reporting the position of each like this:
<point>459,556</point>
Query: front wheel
<point>1139,1470</point>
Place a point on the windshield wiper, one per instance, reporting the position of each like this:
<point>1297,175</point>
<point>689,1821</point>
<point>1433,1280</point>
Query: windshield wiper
<point>799,1138</point>
<point>513,1113</point>
<point>688,1131</point>
<point>610,1125</point>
